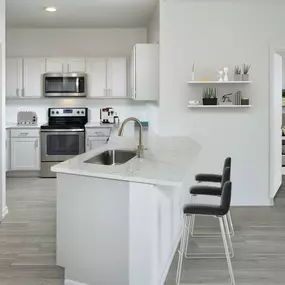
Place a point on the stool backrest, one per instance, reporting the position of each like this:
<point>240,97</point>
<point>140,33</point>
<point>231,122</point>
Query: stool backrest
<point>226,175</point>
<point>228,162</point>
<point>226,197</point>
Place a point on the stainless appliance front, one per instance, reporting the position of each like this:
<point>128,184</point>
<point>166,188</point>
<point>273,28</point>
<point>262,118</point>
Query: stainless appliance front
<point>64,84</point>
<point>58,146</point>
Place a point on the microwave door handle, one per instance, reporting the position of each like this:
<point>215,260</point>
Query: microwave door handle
<point>77,85</point>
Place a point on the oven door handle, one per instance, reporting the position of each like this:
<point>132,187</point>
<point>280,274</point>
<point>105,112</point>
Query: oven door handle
<point>62,131</point>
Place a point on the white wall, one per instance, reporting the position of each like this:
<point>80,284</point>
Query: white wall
<point>188,34</point>
<point>283,65</point>
<point>2,108</point>
<point>74,42</point>
<point>153,37</point>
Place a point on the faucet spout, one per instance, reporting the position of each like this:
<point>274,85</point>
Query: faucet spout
<point>140,148</point>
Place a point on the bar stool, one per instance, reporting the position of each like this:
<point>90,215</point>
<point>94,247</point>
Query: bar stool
<point>218,212</point>
<point>211,191</point>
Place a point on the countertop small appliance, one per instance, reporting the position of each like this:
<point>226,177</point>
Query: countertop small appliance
<point>27,118</point>
<point>108,116</point>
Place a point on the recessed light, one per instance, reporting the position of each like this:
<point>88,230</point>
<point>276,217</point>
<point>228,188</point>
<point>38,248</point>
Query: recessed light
<point>50,9</point>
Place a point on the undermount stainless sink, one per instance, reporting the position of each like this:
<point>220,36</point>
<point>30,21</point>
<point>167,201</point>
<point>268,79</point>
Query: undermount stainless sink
<point>112,157</point>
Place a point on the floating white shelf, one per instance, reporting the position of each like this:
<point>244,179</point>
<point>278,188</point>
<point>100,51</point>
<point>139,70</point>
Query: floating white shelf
<point>219,106</point>
<point>219,82</point>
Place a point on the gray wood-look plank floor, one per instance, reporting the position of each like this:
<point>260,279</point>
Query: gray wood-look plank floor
<point>27,242</point>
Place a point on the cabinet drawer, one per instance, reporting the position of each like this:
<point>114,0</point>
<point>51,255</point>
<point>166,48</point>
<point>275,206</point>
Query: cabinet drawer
<point>98,132</point>
<point>23,133</point>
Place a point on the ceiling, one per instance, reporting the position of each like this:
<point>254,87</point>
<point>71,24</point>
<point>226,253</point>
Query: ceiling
<point>80,13</point>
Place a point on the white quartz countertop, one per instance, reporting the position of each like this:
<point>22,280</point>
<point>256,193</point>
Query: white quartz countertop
<point>16,126</point>
<point>166,161</point>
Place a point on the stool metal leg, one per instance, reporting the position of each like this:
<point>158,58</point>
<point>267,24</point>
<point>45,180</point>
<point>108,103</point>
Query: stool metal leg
<point>222,221</point>
<point>219,255</point>
<point>181,251</point>
<point>230,244</point>
<point>229,217</point>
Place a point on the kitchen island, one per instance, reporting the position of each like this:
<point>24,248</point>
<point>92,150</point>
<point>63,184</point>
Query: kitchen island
<point>121,224</point>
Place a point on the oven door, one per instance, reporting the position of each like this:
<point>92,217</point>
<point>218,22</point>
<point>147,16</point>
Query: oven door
<point>64,85</point>
<point>59,145</point>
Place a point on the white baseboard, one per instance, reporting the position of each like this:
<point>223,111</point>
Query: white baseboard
<point>5,212</point>
<point>71,282</point>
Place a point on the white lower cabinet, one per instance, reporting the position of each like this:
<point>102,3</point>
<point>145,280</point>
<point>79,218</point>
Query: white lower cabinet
<point>95,142</point>
<point>25,150</point>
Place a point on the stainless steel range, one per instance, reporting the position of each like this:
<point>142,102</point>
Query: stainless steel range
<point>63,137</point>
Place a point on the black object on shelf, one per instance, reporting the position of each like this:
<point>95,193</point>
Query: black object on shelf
<point>210,101</point>
<point>244,101</point>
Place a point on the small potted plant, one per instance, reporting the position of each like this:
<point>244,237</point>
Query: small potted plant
<point>210,96</point>
<point>246,69</point>
<point>237,73</point>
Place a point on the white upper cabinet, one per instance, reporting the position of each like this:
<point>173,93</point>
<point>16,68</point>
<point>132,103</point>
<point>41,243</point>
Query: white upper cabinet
<point>117,77</point>
<point>14,77</point>
<point>55,65</point>
<point>145,72</point>
<point>107,77</point>
<point>34,68</point>
<point>76,65</point>
<point>96,71</point>
<point>64,65</point>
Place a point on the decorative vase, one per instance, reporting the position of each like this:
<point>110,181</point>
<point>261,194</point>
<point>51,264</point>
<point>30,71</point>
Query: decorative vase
<point>245,77</point>
<point>237,77</point>
<point>226,70</point>
<point>210,101</point>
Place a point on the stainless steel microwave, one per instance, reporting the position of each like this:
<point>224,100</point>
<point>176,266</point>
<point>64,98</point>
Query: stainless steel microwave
<point>64,84</point>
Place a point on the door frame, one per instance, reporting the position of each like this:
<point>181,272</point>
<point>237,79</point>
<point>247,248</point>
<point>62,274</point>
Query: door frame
<point>272,50</point>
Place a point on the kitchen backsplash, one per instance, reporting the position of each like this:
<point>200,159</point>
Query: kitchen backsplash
<point>124,107</point>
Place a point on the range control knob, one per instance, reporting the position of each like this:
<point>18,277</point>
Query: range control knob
<point>82,112</point>
<point>52,112</point>
<point>78,112</point>
<point>57,112</point>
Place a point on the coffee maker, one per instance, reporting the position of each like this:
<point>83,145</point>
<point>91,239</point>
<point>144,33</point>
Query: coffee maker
<point>108,116</point>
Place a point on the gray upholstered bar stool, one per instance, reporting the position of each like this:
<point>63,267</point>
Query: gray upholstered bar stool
<point>211,191</point>
<point>218,212</point>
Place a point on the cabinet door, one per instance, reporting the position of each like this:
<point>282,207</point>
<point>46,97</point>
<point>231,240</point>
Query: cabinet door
<point>93,143</point>
<point>25,154</point>
<point>7,150</point>
<point>76,65</point>
<point>14,74</point>
<point>34,68</point>
<point>117,77</point>
<point>55,65</point>
<point>96,70</point>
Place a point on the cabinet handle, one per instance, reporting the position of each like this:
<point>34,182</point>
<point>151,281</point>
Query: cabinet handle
<point>23,92</point>
<point>62,67</point>
<point>24,134</point>
<point>18,92</point>
<point>68,67</point>
<point>6,144</point>
<point>37,143</point>
<point>88,142</point>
